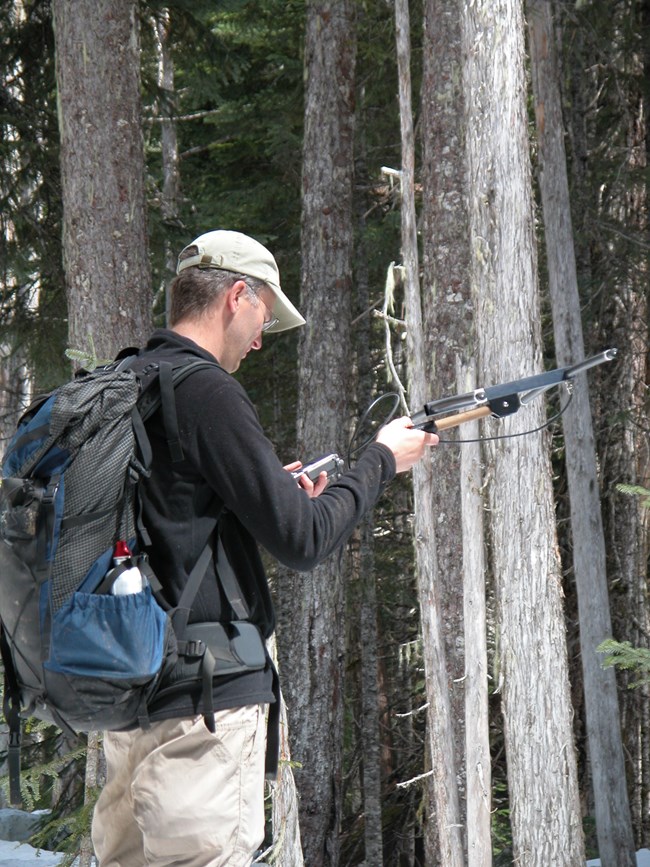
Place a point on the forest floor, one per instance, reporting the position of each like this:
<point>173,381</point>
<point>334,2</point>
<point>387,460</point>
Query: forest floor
<point>642,859</point>
<point>15,854</point>
<point>21,854</point>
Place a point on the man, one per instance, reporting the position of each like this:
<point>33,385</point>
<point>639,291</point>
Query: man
<point>177,793</point>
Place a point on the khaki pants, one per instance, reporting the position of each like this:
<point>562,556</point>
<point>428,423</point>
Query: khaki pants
<point>178,796</point>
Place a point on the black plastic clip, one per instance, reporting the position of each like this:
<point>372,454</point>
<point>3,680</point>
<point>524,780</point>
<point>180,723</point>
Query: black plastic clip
<point>503,406</point>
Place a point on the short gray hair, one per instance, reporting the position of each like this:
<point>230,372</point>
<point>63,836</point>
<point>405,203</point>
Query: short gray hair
<point>195,289</point>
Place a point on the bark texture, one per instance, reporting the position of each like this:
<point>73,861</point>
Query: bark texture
<point>105,246</point>
<point>448,332</point>
<point>171,181</point>
<point>286,848</point>
<point>613,821</point>
<point>439,718</point>
<point>612,239</point>
<point>477,727</point>
<point>312,622</point>
<point>542,775</point>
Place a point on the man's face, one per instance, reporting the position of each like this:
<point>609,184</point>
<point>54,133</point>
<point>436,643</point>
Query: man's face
<point>253,313</point>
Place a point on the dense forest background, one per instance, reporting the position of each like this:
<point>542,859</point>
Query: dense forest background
<point>350,137</point>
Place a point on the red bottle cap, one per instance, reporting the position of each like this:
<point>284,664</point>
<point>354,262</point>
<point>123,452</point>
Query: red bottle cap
<point>121,549</point>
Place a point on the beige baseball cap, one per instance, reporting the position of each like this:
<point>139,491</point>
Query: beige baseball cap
<point>233,251</point>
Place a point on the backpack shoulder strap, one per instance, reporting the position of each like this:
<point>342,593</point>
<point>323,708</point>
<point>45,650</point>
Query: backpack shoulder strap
<point>225,575</point>
<point>168,375</point>
<point>182,611</point>
<point>170,416</point>
<point>230,584</point>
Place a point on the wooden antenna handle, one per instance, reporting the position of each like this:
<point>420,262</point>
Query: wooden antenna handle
<point>462,417</point>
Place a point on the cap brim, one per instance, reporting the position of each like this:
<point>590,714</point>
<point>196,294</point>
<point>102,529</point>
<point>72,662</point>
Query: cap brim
<point>284,311</point>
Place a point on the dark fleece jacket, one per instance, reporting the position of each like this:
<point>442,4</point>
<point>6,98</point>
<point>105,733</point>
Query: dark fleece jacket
<point>230,471</point>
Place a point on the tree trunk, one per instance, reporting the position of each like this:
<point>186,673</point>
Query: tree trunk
<point>613,821</point>
<point>169,200</point>
<point>93,782</point>
<point>15,392</point>
<point>286,849</point>
<point>628,455</point>
<point>312,623</point>
<point>448,327</point>
<point>365,576</point>
<point>608,135</point>
<point>437,681</point>
<point>542,775</point>
<point>105,247</point>
<point>370,729</point>
<point>477,728</point>
<point>168,137</point>
<point>102,173</point>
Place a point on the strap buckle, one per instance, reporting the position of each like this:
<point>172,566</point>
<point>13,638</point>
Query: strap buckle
<point>194,647</point>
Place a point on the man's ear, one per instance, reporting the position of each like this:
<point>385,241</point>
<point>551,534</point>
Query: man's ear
<point>234,295</point>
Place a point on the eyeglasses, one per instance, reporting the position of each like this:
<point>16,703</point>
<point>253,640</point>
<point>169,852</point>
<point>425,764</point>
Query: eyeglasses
<point>269,320</point>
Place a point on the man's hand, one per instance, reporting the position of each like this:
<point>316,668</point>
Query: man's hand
<point>314,489</point>
<point>406,443</point>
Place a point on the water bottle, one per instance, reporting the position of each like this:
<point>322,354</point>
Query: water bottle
<point>131,580</point>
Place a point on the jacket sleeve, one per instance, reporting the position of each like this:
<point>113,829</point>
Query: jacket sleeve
<point>240,464</point>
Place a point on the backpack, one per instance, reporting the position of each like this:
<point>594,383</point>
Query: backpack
<point>75,651</point>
